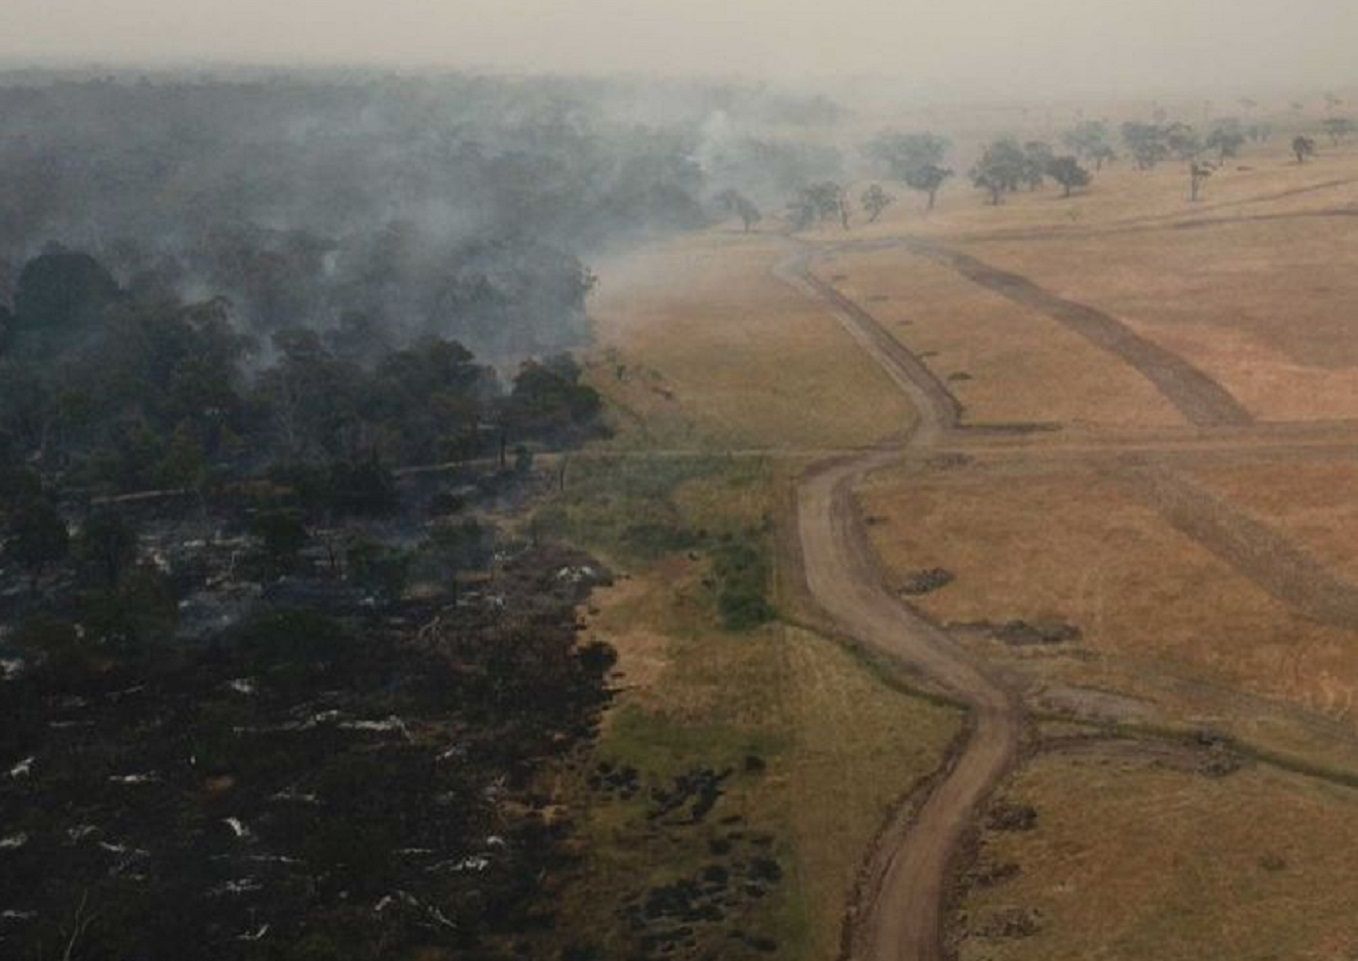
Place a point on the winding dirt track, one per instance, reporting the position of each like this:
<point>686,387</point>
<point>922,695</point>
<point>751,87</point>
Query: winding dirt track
<point>897,916</point>
<point>904,894</point>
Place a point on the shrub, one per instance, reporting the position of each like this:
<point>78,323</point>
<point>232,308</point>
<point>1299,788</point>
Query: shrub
<point>742,575</point>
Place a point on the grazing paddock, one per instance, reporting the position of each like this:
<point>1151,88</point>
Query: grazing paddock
<point>1096,552</point>
<point>1313,504</point>
<point>702,346</point>
<point>1134,857</point>
<point>1261,306</point>
<point>1005,363</point>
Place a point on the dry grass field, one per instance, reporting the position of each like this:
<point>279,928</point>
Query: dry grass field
<point>1134,858</point>
<point>1004,362</point>
<point>693,696</point>
<point>1260,306</point>
<point>1313,504</point>
<point>1254,293</point>
<point>702,347</point>
<point>1264,180</point>
<point>1084,549</point>
<point>1212,594</point>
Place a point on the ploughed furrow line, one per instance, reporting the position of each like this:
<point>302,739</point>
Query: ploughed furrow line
<point>1201,400</point>
<point>1256,550</point>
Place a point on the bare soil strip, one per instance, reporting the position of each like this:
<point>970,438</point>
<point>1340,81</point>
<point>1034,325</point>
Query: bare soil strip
<point>1201,400</point>
<point>1253,548</point>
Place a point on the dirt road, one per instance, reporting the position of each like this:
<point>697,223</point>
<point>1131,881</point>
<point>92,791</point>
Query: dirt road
<point>899,919</point>
<point>897,916</point>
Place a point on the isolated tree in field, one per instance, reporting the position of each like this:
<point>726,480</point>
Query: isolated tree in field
<point>927,179</point>
<point>1182,141</point>
<point>1037,157</point>
<point>1103,154</point>
<point>900,154</point>
<point>1068,173</point>
<point>1145,142</point>
<point>817,203</point>
<point>1001,169</point>
<point>734,202</point>
<point>1303,147</point>
<point>801,212</point>
<point>1086,138</point>
<point>1197,177</point>
<point>1338,128</point>
<point>875,200</point>
<point>915,158</point>
<point>748,213</point>
<point>828,199</point>
<point>1226,141</point>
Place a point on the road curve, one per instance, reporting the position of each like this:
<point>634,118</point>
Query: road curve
<point>900,917</point>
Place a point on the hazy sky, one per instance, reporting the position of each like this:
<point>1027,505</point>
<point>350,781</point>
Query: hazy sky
<point>1044,44</point>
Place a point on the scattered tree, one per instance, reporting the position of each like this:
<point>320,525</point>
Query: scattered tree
<point>1182,141</point>
<point>1226,140</point>
<point>1037,158</point>
<point>1145,142</point>
<point>817,203</point>
<point>734,202</point>
<point>900,154</point>
<point>1068,173</point>
<point>1197,177</point>
<point>1338,128</point>
<point>927,179</point>
<point>1087,138</point>
<point>915,159</point>
<point>1103,154</point>
<point>875,200</point>
<point>1002,167</point>
<point>1089,141</point>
